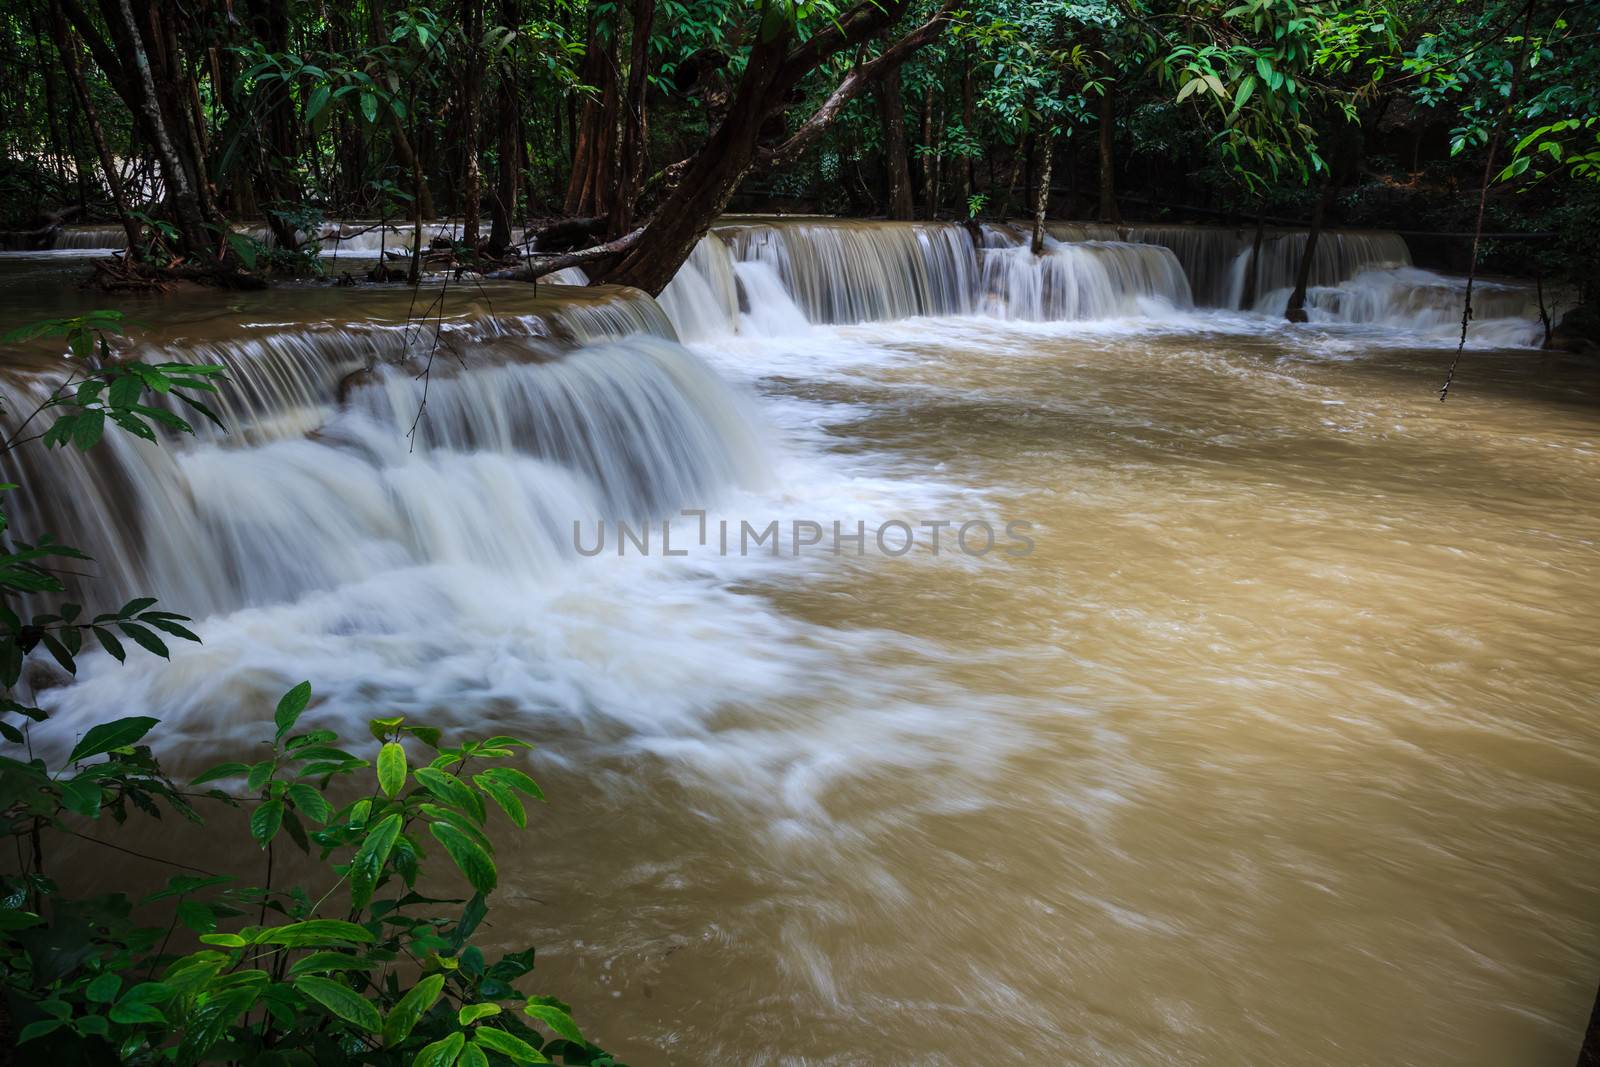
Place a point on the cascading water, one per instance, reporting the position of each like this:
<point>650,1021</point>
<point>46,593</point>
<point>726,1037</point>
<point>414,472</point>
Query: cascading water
<point>702,300</point>
<point>823,271</point>
<point>1299,658</point>
<point>1424,303</point>
<point>839,272</point>
<point>328,423</point>
<point>1337,256</point>
<point>1082,280</point>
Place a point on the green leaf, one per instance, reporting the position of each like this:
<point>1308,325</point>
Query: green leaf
<point>259,775</point>
<point>290,706</point>
<point>221,770</point>
<point>555,1018</point>
<point>104,988</point>
<point>391,768</point>
<point>369,107</point>
<point>316,932</point>
<point>144,638</point>
<point>382,728</point>
<point>110,736</point>
<point>328,962</point>
<point>265,821</point>
<point>224,940</point>
<point>317,101</point>
<point>206,1025</point>
<point>60,652</point>
<point>515,779</point>
<point>451,790</point>
<point>468,855</point>
<point>109,642</point>
<point>508,1045</point>
<point>197,916</point>
<point>342,1001</point>
<point>136,605</point>
<point>503,795</point>
<point>138,1005</point>
<point>41,1028</point>
<point>81,796</point>
<point>471,1013</point>
<point>367,864</point>
<point>441,1053</point>
<point>167,625</point>
<point>87,428</point>
<point>411,1008</point>
<point>310,802</point>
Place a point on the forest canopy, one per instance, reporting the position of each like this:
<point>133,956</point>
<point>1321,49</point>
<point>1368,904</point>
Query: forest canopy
<point>612,135</point>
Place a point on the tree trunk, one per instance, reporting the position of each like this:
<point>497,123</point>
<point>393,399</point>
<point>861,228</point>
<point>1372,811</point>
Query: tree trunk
<point>930,159</point>
<point>1296,310</point>
<point>508,169</point>
<point>1251,284</point>
<point>472,93</point>
<point>1042,204</point>
<point>635,122</point>
<point>1002,206</point>
<point>190,219</point>
<point>592,174</point>
<point>710,179</point>
<point>967,182</point>
<point>108,164</point>
<point>892,109</point>
<point>58,149</point>
<point>648,257</point>
<point>403,149</point>
<point>1108,159</point>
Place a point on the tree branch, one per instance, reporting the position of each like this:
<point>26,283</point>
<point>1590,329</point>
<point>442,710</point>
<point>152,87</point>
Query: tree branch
<point>538,266</point>
<point>859,78</point>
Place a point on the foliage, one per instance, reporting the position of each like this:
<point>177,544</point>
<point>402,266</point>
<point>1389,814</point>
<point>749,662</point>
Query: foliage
<point>359,967</point>
<point>350,965</point>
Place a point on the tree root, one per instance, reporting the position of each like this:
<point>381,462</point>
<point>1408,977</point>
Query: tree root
<point>121,274</point>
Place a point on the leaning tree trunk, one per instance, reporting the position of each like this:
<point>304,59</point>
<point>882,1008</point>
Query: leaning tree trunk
<point>195,239</point>
<point>892,110</point>
<point>91,117</point>
<point>1042,203</point>
<point>650,255</point>
<point>708,182</point>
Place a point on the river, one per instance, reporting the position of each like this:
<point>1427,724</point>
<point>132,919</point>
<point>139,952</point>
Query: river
<point>1263,733</point>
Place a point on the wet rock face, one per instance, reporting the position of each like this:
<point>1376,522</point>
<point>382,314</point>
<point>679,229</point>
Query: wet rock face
<point>1578,331</point>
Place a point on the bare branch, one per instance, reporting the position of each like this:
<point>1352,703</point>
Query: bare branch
<point>538,266</point>
<point>859,78</point>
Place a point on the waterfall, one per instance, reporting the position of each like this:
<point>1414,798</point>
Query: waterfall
<point>1422,302</point>
<point>836,271</point>
<point>702,300</point>
<point>1082,280</point>
<point>322,478</point>
<point>848,272</point>
<point>1339,255</point>
<point>1206,254</point>
<point>765,308</point>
